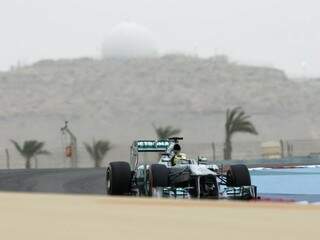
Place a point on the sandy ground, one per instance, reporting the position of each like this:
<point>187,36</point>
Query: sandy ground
<point>49,216</point>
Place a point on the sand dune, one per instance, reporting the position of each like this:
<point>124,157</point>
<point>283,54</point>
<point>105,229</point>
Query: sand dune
<point>41,216</point>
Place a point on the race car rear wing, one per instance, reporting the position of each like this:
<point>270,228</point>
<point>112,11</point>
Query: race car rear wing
<point>151,145</point>
<point>140,146</point>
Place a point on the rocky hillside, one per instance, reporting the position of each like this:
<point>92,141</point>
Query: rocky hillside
<point>119,99</point>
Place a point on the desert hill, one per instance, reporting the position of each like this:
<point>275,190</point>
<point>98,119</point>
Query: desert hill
<point>120,98</point>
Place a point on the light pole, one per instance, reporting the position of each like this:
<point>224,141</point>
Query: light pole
<point>71,149</point>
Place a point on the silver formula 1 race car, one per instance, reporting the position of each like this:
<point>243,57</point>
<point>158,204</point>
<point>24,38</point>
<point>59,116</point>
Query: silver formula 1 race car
<point>176,176</point>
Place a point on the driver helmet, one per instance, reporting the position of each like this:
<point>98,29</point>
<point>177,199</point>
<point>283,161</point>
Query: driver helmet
<point>180,157</point>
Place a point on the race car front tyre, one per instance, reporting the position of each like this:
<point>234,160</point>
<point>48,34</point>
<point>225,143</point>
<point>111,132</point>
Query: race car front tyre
<point>238,176</point>
<point>118,178</point>
<point>158,177</point>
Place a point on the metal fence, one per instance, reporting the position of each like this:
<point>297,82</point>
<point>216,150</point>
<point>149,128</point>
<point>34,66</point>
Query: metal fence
<point>120,152</point>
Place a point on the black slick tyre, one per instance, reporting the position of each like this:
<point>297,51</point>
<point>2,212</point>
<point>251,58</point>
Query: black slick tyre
<point>238,176</point>
<point>158,177</point>
<point>118,178</point>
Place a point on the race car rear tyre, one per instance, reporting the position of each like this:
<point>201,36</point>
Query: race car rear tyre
<point>158,177</point>
<point>118,178</point>
<point>238,176</point>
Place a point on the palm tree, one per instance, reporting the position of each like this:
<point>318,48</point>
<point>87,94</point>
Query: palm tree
<point>165,132</point>
<point>236,121</point>
<point>98,151</point>
<point>30,149</point>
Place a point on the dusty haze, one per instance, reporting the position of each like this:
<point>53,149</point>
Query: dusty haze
<point>284,34</point>
<point>58,63</point>
<point>120,98</point>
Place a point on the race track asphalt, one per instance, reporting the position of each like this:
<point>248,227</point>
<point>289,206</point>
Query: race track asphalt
<point>81,180</point>
<point>85,181</point>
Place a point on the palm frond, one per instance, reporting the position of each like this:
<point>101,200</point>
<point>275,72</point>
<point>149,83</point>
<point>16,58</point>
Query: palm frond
<point>98,150</point>
<point>166,132</point>
<point>18,147</point>
<point>246,127</point>
<point>230,115</point>
<point>104,147</point>
<point>89,150</point>
<point>243,126</point>
<point>236,121</point>
<point>30,149</point>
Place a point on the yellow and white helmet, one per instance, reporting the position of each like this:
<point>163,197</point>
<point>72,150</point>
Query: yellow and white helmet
<point>180,157</point>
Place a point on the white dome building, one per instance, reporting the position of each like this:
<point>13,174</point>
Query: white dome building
<point>129,40</point>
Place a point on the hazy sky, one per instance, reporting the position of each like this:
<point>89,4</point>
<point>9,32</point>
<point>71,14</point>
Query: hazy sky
<point>280,33</point>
